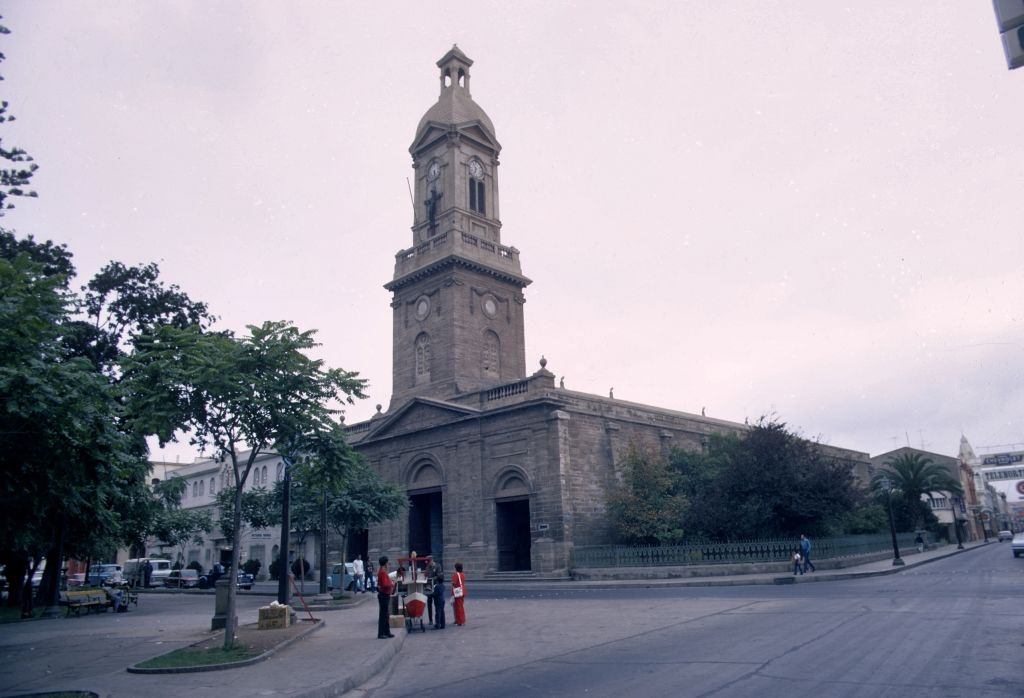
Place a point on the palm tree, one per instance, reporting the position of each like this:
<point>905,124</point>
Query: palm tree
<point>914,475</point>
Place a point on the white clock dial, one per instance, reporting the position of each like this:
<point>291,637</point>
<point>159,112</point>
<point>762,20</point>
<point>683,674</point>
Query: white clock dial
<point>476,170</point>
<point>434,171</point>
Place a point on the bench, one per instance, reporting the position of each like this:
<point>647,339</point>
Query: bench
<point>96,599</point>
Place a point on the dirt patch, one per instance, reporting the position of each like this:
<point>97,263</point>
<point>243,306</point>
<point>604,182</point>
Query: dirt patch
<point>256,640</point>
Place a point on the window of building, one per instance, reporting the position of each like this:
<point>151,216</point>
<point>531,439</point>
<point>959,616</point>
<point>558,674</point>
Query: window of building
<point>202,487</point>
<point>263,477</point>
<point>280,471</point>
<point>476,195</point>
<point>213,486</point>
<point>491,355</point>
<point>422,348</point>
<point>195,489</point>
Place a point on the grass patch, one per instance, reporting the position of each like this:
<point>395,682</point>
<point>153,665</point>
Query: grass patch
<point>12,614</point>
<point>190,656</point>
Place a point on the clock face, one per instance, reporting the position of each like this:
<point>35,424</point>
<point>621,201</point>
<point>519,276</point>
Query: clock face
<point>490,307</point>
<point>434,170</point>
<point>422,308</point>
<point>476,170</point>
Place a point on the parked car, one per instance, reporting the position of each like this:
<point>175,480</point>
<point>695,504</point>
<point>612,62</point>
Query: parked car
<point>105,575</point>
<point>134,570</point>
<point>342,577</point>
<point>76,580</point>
<point>182,579</point>
<point>1018,545</point>
<point>1005,536</point>
<point>244,580</point>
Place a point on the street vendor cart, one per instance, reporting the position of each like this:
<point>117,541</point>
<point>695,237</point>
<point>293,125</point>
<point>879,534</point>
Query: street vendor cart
<point>413,587</point>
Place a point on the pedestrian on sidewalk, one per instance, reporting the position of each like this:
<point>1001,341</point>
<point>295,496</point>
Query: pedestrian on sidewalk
<point>919,542</point>
<point>385,588</point>
<point>797,563</point>
<point>805,552</point>
<point>358,572</point>
<point>459,595</point>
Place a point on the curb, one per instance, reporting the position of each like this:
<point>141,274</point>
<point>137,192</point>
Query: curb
<point>135,669</point>
<point>361,675</point>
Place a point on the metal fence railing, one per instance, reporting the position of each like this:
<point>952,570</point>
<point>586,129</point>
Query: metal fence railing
<point>708,553</point>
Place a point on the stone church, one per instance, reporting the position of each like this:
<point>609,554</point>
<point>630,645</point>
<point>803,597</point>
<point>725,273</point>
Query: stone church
<point>505,470</point>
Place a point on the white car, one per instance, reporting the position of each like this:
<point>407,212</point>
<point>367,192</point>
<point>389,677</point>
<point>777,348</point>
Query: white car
<point>1018,545</point>
<point>1005,536</point>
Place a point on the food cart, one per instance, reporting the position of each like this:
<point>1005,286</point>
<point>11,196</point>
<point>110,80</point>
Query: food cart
<point>413,588</point>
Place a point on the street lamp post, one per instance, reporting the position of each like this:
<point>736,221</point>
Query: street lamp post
<point>955,501</point>
<point>886,484</point>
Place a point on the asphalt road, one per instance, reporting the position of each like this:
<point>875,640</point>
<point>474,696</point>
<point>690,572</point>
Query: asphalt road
<point>954,627</point>
<point>36,655</point>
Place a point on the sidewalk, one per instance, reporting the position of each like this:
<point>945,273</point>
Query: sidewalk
<point>344,653</point>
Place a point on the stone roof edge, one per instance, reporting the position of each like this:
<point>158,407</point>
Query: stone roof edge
<point>456,260</point>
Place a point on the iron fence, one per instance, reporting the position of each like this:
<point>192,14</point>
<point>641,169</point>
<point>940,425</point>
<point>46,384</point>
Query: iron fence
<point>709,553</point>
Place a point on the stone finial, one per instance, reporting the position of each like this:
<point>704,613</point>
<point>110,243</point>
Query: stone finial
<point>702,412</point>
<point>543,362</point>
<point>378,409</point>
<point>611,393</point>
<point>561,382</point>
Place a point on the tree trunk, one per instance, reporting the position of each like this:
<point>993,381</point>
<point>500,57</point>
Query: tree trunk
<point>236,537</point>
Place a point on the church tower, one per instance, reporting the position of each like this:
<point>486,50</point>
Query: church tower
<point>457,292</point>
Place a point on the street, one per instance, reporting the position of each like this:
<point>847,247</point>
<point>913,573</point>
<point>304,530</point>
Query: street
<point>949,628</point>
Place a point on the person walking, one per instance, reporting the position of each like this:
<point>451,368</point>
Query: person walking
<point>385,588</point>
<point>438,598</point>
<point>359,573</point>
<point>805,552</point>
<point>459,594</point>
<point>798,568</point>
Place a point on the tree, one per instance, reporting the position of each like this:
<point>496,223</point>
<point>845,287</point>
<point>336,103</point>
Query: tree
<point>646,508</point>
<point>766,482</point>
<point>913,475</point>
<point>240,397</point>
<point>63,454</point>
<point>15,176</point>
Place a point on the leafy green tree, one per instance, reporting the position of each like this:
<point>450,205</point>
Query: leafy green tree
<point>62,452</point>
<point>19,168</point>
<point>259,509</point>
<point>912,475</point>
<point>766,482</point>
<point>646,508</point>
<point>240,397</point>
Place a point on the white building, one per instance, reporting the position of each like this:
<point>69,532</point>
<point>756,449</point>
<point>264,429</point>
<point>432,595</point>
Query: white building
<point>1001,478</point>
<point>204,478</point>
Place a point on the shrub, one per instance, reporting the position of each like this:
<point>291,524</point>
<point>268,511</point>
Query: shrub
<point>274,569</point>
<point>300,568</point>
<point>252,566</point>
<point>196,565</point>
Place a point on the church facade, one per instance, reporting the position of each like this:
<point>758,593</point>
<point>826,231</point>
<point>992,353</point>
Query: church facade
<point>505,471</point>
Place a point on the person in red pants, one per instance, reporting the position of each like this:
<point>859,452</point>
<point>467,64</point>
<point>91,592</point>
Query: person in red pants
<point>459,594</point>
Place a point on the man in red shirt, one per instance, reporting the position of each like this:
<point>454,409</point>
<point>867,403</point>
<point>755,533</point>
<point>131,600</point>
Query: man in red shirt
<point>385,588</point>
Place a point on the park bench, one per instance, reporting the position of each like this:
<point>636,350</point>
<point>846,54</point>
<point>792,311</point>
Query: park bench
<point>96,599</point>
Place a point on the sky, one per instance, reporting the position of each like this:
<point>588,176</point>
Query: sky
<point>810,211</point>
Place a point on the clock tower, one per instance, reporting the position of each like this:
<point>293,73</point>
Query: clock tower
<point>457,292</point>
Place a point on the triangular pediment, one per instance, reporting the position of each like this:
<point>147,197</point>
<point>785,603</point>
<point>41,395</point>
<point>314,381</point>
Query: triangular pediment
<point>430,134</point>
<point>479,134</point>
<point>419,414</point>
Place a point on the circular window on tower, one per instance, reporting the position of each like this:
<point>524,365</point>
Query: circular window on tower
<point>422,308</point>
<point>490,306</point>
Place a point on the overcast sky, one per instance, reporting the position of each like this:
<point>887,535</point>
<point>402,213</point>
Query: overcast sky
<point>810,210</point>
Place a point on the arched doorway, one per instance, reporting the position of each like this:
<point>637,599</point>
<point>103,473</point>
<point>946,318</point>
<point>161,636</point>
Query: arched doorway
<point>426,507</point>
<point>512,514</point>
